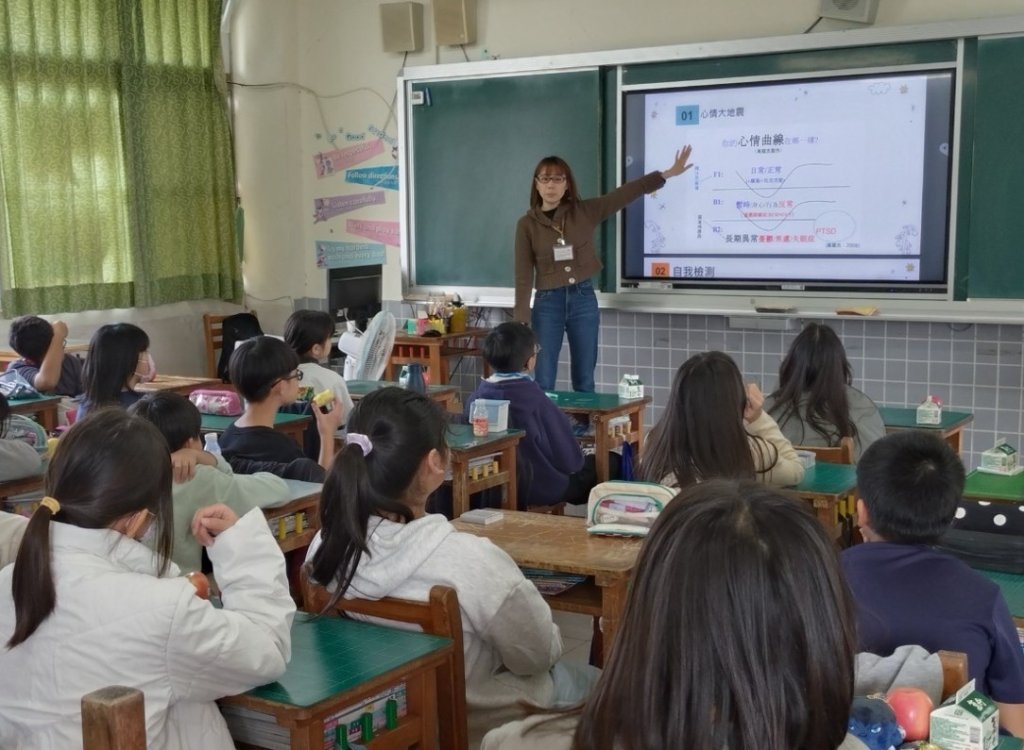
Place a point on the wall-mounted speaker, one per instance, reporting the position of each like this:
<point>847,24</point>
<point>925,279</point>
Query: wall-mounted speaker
<point>401,26</point>
<point>455,22</point>
<point>862,11</point>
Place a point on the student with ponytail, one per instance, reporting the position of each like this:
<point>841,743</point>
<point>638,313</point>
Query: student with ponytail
<point>377,540</point>
<point>89,606</point>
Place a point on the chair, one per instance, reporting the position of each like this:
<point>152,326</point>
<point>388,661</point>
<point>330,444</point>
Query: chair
<point>114,718</point>
<point>954,671</point>
<point>439,615</point>
<point>213,330</point>
<point>839,454</point>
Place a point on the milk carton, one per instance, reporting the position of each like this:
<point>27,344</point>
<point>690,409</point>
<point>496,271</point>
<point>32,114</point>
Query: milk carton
<point>631,387</point>
<point>1000,459</point>
<point>930,411</point>
<point>968,721</point>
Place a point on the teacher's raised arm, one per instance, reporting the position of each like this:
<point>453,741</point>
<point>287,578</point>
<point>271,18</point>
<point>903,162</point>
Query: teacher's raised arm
<point>555,255</point>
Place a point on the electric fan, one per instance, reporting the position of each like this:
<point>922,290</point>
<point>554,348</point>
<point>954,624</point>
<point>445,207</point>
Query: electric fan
<point>367,354</point>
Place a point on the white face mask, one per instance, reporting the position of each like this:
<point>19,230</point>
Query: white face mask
<point>149,374</point>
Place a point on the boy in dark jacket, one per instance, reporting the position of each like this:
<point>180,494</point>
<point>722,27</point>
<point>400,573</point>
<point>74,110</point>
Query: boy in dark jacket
<point>551,466</point>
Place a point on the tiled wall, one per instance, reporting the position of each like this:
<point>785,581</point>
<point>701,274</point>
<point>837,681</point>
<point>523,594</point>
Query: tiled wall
<point>972,367</point>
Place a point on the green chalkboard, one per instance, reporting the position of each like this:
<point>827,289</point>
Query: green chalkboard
<point>996,228</point>
<point>475,143</point>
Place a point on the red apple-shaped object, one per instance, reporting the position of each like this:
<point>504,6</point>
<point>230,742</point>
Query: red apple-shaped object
<point>201,582</point>
<point>913,709</point>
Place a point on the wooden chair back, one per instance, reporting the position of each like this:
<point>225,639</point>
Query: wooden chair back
<point>954,671</point>
<point>439,615</point>
<point>839,454</point>
<point>213,331</point>
<point>114,718</point>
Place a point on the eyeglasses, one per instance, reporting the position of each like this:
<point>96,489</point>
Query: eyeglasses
<point>297,375</point>
<point>546,179</point>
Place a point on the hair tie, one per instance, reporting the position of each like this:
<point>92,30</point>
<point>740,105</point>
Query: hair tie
<point>52,504</point>
<point>361,440</point>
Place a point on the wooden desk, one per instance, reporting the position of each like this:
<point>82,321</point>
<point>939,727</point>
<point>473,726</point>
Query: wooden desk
<point>831,489</point>
<point>994,487</point>
<point>561,543</point>
<point>443,394</point>
<point>8,355</point>
<point>465,447</point>
<point>433,352</point>
<point>182,384</point>
<point>337,663</point>
<point>950,429</point>
<point>44,409</point>
<point>290,424</point>
<point>21,486</point>
<point>602,408</point>
<point>1012,586</point>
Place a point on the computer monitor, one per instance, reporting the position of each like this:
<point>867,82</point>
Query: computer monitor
<point>354,293</point>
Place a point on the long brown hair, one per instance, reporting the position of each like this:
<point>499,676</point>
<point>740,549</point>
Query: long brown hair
<point>816,369</point>
<point>554,164</point>
<point>107,466</point>
<point>701,435</point>
<point>737,633</point>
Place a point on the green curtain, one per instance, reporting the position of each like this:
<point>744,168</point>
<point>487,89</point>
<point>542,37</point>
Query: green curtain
<point>116,176</point>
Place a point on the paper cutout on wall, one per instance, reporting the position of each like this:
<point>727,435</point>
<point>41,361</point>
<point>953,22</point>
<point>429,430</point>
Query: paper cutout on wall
<point>379,231</point>
<point>385,177</point>
<point>343,254</point>
<point>328,208</point>
<point>332,162</point>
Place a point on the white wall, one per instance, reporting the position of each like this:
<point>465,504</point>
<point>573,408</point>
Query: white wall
<point>334,48</point>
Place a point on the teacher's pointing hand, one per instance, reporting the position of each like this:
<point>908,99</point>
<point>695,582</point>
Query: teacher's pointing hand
<point>680,165</point>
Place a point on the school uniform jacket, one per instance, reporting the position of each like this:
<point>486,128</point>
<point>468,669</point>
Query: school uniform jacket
<point>549,452</point>
<point>536,235</point>
<point>509,638</point>
<point>116,623</point>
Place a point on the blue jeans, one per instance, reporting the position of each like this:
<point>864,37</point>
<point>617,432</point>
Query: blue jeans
<point>569,309</point>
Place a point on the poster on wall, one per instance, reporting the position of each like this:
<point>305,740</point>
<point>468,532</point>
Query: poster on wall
<point>332,162</point>
<point>328,208</point>
<point>383,177</point>
<point>378,231</point>
<point>345,254</point>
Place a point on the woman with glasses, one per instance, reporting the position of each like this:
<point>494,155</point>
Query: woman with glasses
<point>555,255</point>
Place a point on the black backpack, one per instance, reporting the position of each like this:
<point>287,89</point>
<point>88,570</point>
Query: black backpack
<point>237,327</point>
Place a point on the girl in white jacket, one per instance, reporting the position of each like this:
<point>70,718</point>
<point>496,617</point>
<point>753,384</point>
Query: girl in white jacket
<point>714,427</point>
<point>86,606</point>
<point>377,540</point>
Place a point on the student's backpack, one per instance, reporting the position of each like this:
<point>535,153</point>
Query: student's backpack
<point>620,508</point>
<point>237,327</point>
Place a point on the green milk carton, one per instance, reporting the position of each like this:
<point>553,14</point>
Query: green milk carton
<point>967,721</point>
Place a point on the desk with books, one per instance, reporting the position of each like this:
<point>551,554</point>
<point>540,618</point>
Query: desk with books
<point>466,449</point>
<point>336,664</point>
<point>831,490</point>
<point>561,543</point>
<point>42,408</point>
<point>433,352</point>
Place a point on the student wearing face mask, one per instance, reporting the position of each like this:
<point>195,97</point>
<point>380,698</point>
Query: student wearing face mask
<point>118,360</point>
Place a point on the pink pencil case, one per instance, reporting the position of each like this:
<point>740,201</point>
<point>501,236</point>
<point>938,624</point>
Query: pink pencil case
<point>220,403</point>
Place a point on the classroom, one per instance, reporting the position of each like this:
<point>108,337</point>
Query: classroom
<point>309,78</point>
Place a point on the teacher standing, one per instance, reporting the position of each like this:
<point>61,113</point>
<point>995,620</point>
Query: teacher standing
<point>555,255</point>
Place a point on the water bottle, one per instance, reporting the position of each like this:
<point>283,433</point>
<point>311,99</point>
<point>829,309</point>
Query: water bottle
<point>478,416</point>
<point>210,444</point>
<point>416,382</point>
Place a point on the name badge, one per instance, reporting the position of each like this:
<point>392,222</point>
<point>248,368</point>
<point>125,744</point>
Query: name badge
<point>563,252</point>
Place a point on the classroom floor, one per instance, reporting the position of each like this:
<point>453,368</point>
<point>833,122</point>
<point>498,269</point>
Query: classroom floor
<point>576,633</point>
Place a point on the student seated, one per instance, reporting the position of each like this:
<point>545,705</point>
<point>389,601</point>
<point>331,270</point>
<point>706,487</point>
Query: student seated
<point>43,362</point>
<point>309,333</point>
<point>816,403</point>
<point>18,459</point>
<point>737,633</point>
<point>715,427</point>
<point>12,528</point>
<point>118,360</point>
<point>93,607</point>
<point>377,540</point>
<point>909,484</point>
<point>201,478</point>
<point>266,373</point>
<point>550,465</point>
